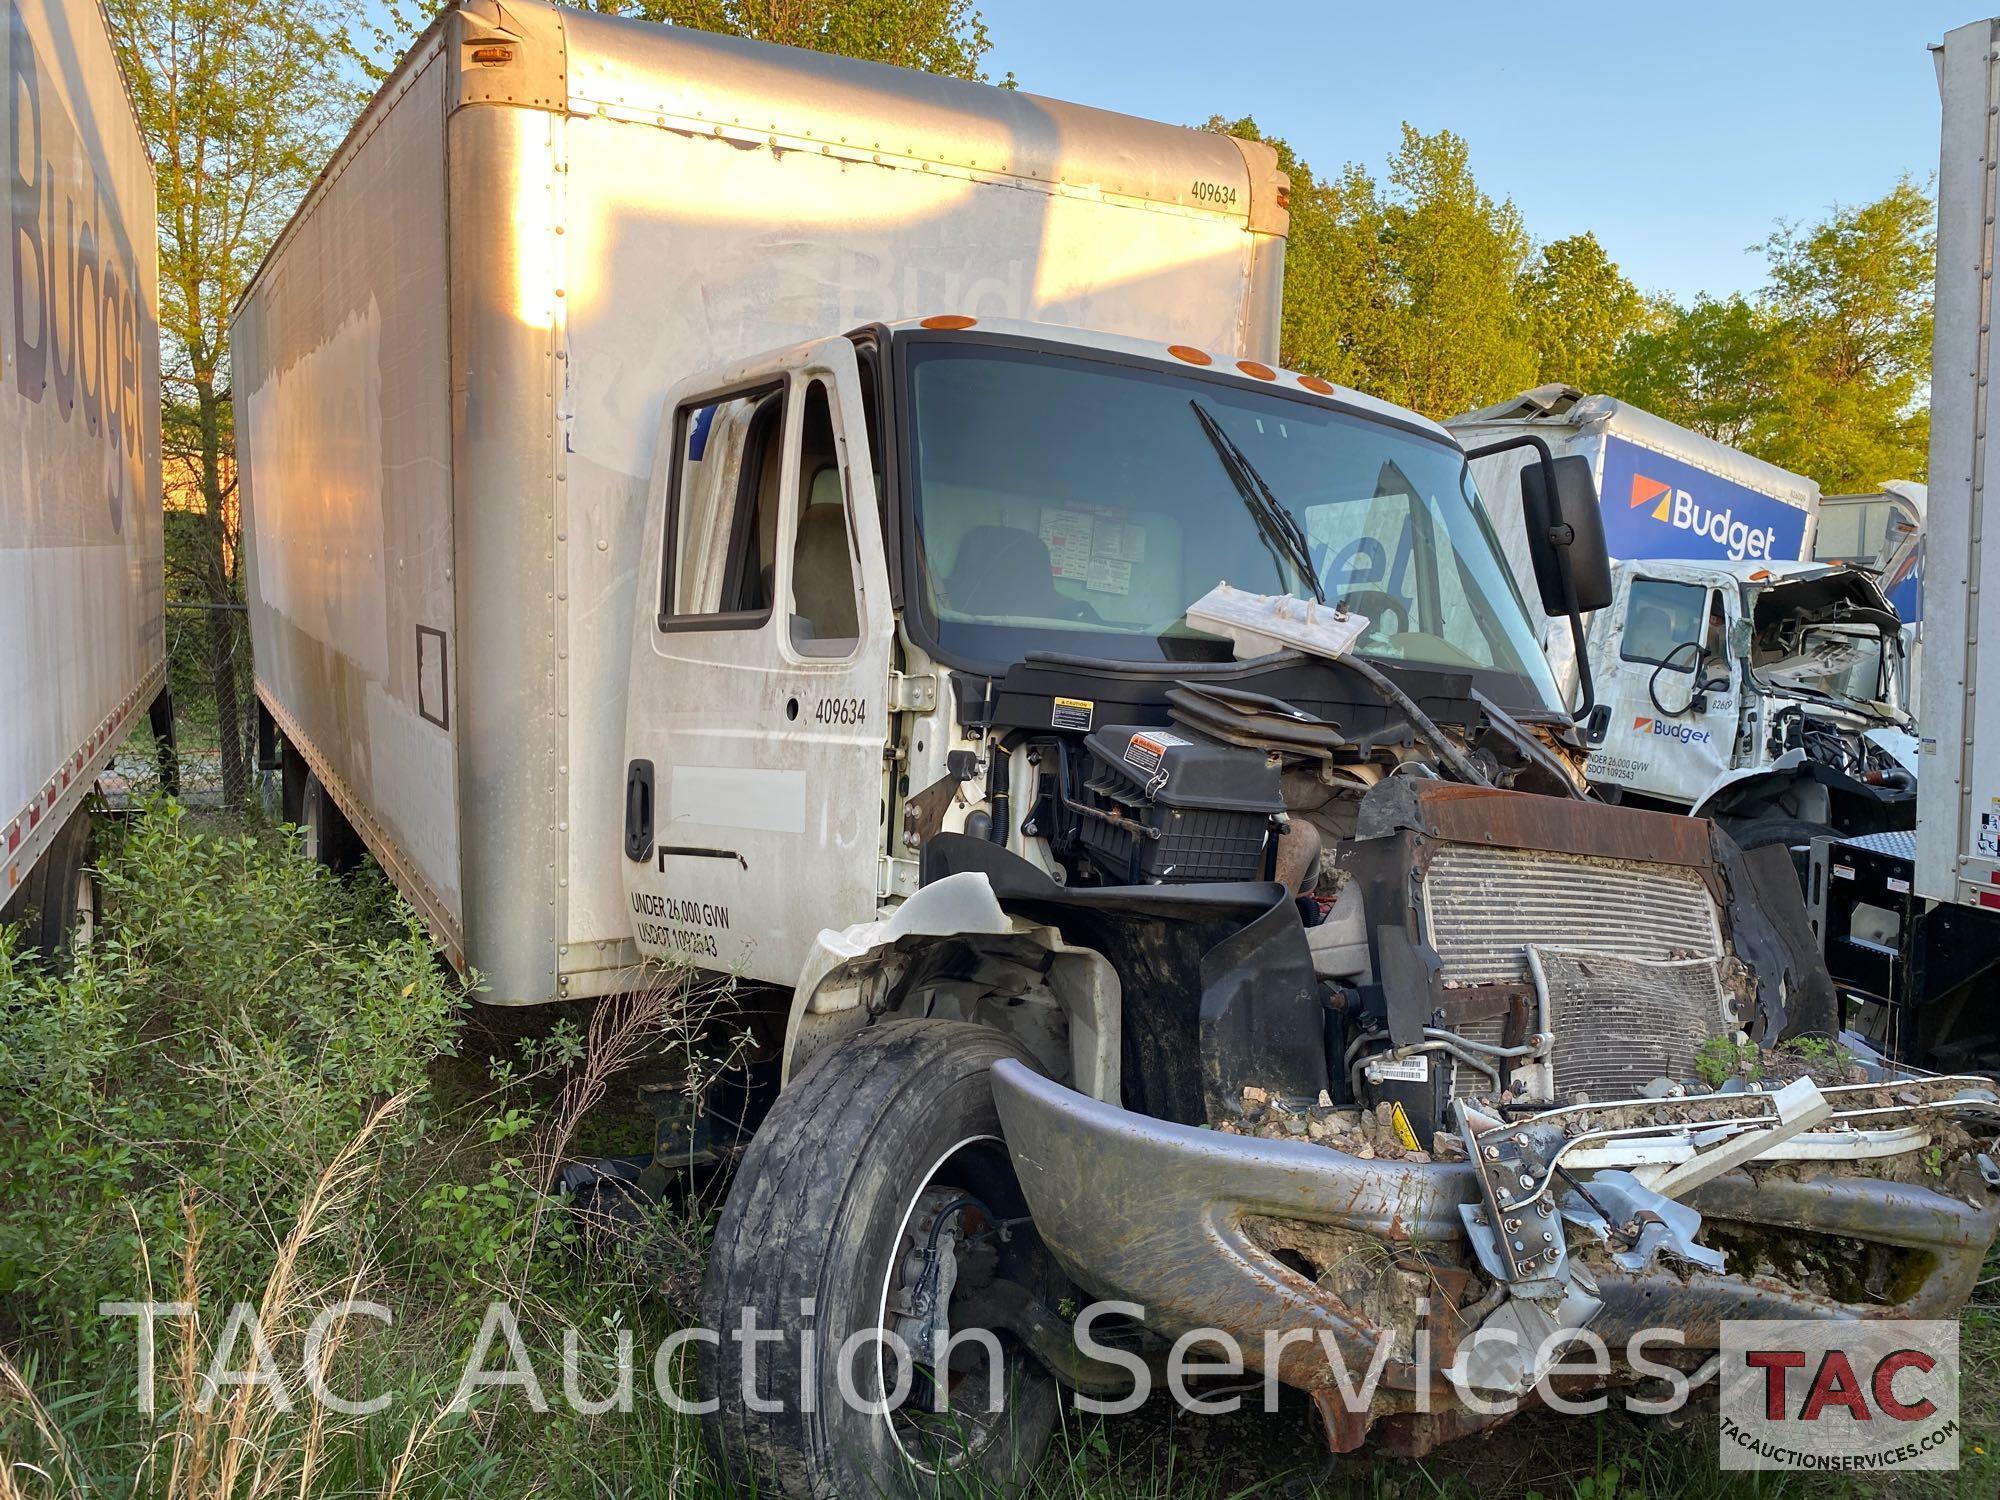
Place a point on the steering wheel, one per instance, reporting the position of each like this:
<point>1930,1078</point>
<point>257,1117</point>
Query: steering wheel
<point>1695,688</point>
<point>1376,604</point>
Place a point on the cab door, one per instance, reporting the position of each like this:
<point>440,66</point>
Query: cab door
<point>1666,723</point>
<point>756,719</point>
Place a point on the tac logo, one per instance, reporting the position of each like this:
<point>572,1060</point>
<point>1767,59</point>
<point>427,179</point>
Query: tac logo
<point>1680,510</point>
<point>1687,734</point>
<point>1839,1397</point>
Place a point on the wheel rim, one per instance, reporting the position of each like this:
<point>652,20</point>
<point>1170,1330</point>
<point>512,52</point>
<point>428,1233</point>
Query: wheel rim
<point>309,815</point>
<point>85,906</point>
<point>960,1224</point>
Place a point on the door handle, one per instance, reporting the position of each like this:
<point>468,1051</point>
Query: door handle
<point>639,811</point>
<point>1600,720</point>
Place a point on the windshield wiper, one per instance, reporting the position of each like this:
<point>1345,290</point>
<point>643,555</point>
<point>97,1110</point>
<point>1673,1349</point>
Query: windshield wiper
<point>1265,508</point>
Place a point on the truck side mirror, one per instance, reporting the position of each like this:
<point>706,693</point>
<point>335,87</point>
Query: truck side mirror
<point>1573,527</point>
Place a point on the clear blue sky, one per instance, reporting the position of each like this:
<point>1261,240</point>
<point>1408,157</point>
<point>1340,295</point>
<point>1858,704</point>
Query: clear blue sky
<point>1679,132</point>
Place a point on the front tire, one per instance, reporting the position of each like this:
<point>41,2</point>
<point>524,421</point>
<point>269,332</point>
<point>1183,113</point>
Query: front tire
<point>885,1157</point>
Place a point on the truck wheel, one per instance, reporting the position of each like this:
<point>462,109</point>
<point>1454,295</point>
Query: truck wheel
<point>57,903</point>
<point>878,1193</point>
<point>330,839</point>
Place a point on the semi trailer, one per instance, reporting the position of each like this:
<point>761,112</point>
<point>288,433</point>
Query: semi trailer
<point>714,509</point>
<point>82,562</point>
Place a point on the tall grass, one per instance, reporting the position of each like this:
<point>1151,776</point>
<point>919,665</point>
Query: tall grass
<point>258,1086</point>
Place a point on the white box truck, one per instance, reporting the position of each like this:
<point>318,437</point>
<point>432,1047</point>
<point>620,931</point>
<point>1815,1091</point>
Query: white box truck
<point>715,504</point>
<point>1911,920</point>
<point>82,582</point>
<point>1731,678</point>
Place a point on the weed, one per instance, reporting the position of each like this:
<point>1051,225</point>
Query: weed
<point>1722,1058</point>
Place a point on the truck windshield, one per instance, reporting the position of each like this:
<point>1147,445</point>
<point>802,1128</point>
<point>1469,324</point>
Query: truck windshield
<point>1077,505</point>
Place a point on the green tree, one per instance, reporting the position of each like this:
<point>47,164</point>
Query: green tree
<point>1710,367</point>
<point>1406,293</point>
<point>1825,370</point>
<point>1580,308</point>
<point>938,36</point>
<point>1850,298</point>
<point>1334,262</point>
<point>240,102</point>
<point>1452,336</point>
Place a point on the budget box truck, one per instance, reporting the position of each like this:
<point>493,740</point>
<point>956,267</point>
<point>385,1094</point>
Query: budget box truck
<point>848,531</point>
<point>1731,677</point>
<point>82,582</point>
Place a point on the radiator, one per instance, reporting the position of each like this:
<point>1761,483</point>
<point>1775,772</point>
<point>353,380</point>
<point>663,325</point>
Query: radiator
<point>1483,907</point>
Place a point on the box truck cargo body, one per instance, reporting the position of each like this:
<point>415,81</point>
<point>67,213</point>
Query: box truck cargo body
<point>1910,921</point>
<point>450,374</point>
<point>82,632</point>
<point>1666,491</point>
<point>1958,849</point>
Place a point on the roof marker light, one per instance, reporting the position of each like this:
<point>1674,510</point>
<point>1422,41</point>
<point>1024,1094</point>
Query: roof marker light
<point>1191,355</point>
<point>948,320</point>
<point>1252,368</point>
<point>1316,385</point>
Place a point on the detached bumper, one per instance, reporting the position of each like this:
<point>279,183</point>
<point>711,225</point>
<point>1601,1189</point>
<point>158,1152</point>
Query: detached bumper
<point>1208,1230</point>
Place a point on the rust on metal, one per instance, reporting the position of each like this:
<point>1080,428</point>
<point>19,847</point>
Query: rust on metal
<point>1459,814</point>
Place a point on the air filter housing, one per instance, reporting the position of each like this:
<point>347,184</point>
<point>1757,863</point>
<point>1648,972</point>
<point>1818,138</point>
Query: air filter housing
<point>1164,807</point>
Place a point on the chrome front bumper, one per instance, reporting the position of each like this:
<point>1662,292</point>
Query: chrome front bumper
<point>1177,1220</point>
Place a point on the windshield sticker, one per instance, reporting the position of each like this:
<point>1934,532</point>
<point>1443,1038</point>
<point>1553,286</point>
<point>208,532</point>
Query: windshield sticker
<point>1072,713</point>
<point>1067,534</point>
<point>1147,750</point>
<point>1126,543</point>
<point>1109,575</point>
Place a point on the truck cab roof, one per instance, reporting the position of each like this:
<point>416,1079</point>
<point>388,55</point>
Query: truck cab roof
<point>1250,373</point>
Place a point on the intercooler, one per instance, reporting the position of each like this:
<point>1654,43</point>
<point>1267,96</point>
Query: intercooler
<point>1484,907</point>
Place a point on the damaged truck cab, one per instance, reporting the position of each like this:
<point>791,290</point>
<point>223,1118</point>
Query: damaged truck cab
<point>1763,694</point>
<point>1168,916</point>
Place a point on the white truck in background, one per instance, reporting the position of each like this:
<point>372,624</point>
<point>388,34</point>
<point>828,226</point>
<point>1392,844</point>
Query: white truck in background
<point>82,582</point>
<point>1731,679</point>
<point>713,505</point>
<point>1910,921</point>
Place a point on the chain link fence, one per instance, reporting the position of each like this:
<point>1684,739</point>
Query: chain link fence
<point>214,757</point>
<point>215,701</point>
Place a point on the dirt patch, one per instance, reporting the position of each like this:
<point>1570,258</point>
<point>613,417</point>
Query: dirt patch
<point>1369,1134</point>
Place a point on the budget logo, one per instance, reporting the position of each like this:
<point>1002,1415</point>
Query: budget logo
<point>1839,1397</point>
<point>1687,734</point>
<point>1646,491</point>
<point>1680,510</point>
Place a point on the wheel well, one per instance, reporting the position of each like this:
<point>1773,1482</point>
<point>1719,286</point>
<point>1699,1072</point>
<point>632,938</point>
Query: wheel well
<point>1058,1002</point>
<point>1789,794</point>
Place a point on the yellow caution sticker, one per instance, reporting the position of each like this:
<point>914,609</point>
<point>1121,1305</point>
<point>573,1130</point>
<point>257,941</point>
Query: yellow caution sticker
<point>1073,713</point>
<point>1400,1123</point>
